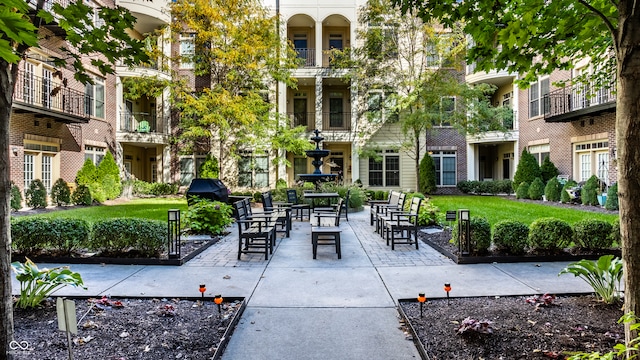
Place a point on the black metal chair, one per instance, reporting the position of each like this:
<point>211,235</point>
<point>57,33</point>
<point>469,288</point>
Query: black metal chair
<point>327,235</point>
<point>255,235</point>
<point>400,227</point>
<point>297,209</point>
<point>282,212</point>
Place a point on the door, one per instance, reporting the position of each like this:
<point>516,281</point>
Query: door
<point>506,168</point>
<point>300,112</point>
<point>128,114</point>
<point>301,46</point>
<point>335,113</point>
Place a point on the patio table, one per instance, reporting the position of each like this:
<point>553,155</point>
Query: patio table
<point>321,197</point>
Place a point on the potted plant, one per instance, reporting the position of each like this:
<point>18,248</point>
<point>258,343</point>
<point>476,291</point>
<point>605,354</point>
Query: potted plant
<point>602,193</point>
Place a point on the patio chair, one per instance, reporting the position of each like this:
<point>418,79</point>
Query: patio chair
<point>297,209</point>
<point>326,235</point>
<point>401,225</point>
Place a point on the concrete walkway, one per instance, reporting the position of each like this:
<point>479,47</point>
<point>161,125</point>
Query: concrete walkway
<point>300,308</point>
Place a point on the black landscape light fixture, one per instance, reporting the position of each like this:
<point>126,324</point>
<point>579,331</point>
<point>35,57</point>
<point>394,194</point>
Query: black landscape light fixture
<point>447,289</point>
<point>173,237</point>
<point>202,289</point>
<point>464,231</point>
<point>218,299</point>
<point>421,299</point>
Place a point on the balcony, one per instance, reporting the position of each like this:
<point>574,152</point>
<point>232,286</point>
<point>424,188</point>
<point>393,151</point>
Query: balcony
<point>47,5</point>
<point>571,102</point>
<point>42,96</point>
<point>150,14</point>
<point>308,120</point>
<point>307,57</point>
<point>336,121</point>
<point>495,77</point>
<point>137,128</point>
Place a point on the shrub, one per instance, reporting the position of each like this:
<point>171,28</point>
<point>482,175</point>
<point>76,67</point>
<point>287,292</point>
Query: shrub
<point>427,179</point>
<point>589,191</point>
<point>603,275</point>
<point>615,233</point>
<point>36,195</point>
<point>528,169</point>
<point>118,235</point>
<point>108,175</point>
<point>210,168</point>
<point>592,234</point>
<point>36,284</point>
<point>564,195</point>
<point>207,217</point>
<point>480,234</point>
<point>465,186</point>
<point>156,189</point>
<point>16,197</point>
<point>548,170</point>
<point>552,190</point>
<point>428,214</point>
<point>504,186</point>
<point>511,236</point>
<point>536,189</point>
<point>81,195</point>
<point>612,198</point>
<point>87,173</point>
<point>66,235</point>
<point>30,234</point>
<point>549,234</point>
<point>523,191</point>
<point>281,184</point>
<point>60,193</point>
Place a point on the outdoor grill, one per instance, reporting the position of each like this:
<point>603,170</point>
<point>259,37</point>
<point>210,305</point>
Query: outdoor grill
<point>212,189</point>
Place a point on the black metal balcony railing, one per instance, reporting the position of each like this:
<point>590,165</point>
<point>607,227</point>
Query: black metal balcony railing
<point>140,122</point>
<point>44,95</point>
<point>577,97</point>
<point>306,119</point>
<point>308,56</point>
<point>336,121</point>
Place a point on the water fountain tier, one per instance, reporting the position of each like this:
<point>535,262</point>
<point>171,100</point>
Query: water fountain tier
<point>317,154</point>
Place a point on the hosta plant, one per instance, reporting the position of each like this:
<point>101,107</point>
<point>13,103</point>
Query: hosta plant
<point>604,276</point>
<point>36,284</point>
<point>474,326</point>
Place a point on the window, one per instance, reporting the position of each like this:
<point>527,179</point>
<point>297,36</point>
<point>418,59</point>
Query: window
<point>187,50</point>
<point>381,106</point>
<point>385,171</point>
<point>95,153</point>
<point>41,162</point>
<point>539,152</point>
<point>432,54</point>
<point>299,166</point>
<point>539,98</point>
<point>94,98</point>
<point>382,41</point>
<point>445,164</point>
<point>190,167</point>
<point>447,109</point>
<point>592,158</point>
<point>253,171</point>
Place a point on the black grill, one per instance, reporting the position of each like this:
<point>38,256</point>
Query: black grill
<point>212,189</point>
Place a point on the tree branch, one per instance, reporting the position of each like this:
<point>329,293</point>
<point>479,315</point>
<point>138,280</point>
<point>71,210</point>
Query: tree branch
<point>612,29</point>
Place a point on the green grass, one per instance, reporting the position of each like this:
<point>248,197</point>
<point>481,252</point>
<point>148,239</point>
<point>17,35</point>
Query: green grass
<point>153,208</point>
<point>495,208</point>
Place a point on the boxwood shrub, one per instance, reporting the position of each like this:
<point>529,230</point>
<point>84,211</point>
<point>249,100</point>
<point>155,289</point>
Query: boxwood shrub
<point>30,234</point>
<point>119,235</point>
<point>67,235</point>
<point>592,234</point>
<point>549,234</point>
<point>523,191</point>
<point>536,189</point>
<point>552,190</point>
<point>82,195</point>
<point>480,234</point>
<point>511,236</point>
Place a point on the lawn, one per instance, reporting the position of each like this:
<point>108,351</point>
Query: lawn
<point>496,208</point>
<point>151,208</point>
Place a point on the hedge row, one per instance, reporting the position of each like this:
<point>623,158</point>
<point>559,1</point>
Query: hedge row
<point>32,235</point>
<point>545,235</point>
<point>485,187</point>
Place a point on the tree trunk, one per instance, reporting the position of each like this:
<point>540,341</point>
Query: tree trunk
<point>7,78</point>
<point>628,150</point>
<point>417,138</point>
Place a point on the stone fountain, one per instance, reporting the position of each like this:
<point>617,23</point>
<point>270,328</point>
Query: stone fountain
<point>317,177</point>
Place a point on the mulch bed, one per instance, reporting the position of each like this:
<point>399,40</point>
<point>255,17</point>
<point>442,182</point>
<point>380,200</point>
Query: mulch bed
<point>139,328</point>
<point>520,330</point>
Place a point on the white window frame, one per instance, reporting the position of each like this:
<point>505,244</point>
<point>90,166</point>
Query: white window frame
<point>255,172</point>
<point>95,153</point>
<point>95,93</point>
<point>41,161</point>
<point>380,109</point>
<point>588,160</point>
<point>444,111</point>
<point>539,97</point>
<point>187,50</point>
<point>386,172</point>
<point>439,157</point>
<point>194,161</point>
<point>540,152</point>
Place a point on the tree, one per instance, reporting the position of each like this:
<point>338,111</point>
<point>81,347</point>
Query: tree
<point>105,43</point>
<point>539,37</point>
<point>408,73</point>
<point>427,184</point>
<point>237,51</point>
<point>548,170</point>
<point>108,175</point>
<point>527,171</point>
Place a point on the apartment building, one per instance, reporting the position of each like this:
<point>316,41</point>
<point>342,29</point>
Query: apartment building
<point>573,124</point>
<point>57,122</point>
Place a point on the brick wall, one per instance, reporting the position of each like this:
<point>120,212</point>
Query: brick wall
<point>450,139</point>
